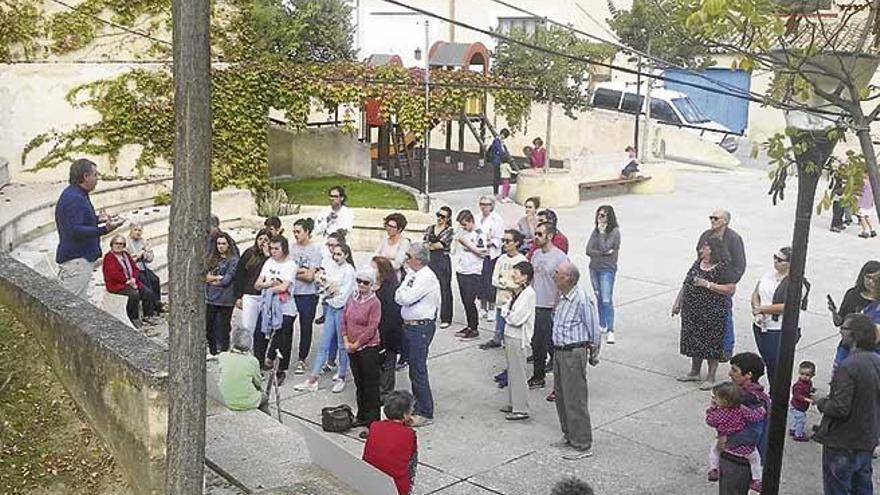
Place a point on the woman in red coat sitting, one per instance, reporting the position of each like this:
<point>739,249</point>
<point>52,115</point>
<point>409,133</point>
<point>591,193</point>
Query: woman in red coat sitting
<point>391,445</point>
<point>121,277</point>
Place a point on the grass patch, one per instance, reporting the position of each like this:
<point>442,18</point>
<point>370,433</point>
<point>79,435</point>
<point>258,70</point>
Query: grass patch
<point>45,446</point>
<point>361,193</point>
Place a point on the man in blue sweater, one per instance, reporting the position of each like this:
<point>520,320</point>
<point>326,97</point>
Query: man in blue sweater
<point>79,236</point>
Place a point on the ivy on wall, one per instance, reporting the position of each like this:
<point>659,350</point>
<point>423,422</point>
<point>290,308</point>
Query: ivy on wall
<point>20,26</point>
<point>136,108</point>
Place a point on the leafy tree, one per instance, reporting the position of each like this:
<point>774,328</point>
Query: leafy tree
<point>556,79</point>
<point>302,31</point>
<point>648,20</point>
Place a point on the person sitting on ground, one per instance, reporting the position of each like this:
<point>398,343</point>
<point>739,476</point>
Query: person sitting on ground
<point>392,446</point>
<point>572,486</point>
<point>729,416</point>
<point>121,277</point>
<point>631,169</point>
<point>240,381</point>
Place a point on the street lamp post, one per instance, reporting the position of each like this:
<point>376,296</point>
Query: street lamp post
<point>812,135</point>
<point>427,163</point>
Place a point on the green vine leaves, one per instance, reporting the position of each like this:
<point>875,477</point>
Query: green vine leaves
<point>136,108</point>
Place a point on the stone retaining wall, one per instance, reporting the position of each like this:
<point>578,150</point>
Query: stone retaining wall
<point>116,376</point>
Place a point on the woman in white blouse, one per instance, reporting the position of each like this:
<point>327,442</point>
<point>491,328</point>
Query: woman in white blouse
<point>519,314</point>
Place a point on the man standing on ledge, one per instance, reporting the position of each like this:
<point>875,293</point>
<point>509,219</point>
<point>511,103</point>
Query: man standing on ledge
<point>79,236</point>
<point>576,340</point>
<point>419,300</point>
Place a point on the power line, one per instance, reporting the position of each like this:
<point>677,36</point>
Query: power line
<point>626,70</point>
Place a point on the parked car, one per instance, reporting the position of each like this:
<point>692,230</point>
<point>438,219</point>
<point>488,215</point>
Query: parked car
<point>668,107</point>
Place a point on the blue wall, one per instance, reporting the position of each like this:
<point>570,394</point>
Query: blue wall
<point>731,111</point>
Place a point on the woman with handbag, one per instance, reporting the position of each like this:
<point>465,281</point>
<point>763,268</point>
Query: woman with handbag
<point>360,336</point>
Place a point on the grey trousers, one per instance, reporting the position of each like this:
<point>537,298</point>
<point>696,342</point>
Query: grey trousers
<point>735,476</point>
<point>517,380</point>
<point>75,276</point>
<point>572,396</point>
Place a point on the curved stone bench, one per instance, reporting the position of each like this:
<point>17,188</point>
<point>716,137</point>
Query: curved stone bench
<point>115,305</point>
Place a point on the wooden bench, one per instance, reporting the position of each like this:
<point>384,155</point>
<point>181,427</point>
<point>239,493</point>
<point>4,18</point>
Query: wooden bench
<point>609,187</point>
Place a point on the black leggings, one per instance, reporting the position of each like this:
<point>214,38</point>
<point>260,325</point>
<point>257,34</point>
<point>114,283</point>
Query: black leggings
<point>282,341</point>
<point>218,324</point>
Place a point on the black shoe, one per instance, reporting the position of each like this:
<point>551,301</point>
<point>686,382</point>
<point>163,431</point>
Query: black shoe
<point>461,333</point>
<point>320,320</point>
<point>281,376</point>
<point>492,344</point>
<point>873,233</point>
<point>364,434</point>
<point>358,423</point>
<point>501,377</point>
<point>471,335</point>
<point>530,359</point>
<point>536,383</point>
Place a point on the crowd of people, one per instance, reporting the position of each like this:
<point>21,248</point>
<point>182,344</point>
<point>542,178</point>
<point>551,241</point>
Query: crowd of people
<point>382,317</point>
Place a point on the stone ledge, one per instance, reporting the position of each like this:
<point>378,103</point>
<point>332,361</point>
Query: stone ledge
<point>116,376</point>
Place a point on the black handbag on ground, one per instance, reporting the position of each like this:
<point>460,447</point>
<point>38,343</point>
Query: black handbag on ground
<point>337,419</point>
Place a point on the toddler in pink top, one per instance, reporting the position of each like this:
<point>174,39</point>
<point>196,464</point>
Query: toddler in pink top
<point>728,415</point>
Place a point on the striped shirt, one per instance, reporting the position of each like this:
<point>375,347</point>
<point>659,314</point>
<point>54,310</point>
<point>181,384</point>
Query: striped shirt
<point>576,319</point>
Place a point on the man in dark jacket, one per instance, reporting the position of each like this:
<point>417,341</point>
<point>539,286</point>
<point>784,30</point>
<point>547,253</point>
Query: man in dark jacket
<point>720,222</point>
<point>497,154</point>
<point>851,415</point>
<point>79,236</point>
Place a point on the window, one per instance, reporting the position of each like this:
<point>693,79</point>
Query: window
<point>663,112</point>
<point>606,98</point>
<point>689,111</point>
<point>527,24</point>
<point>633,103</point>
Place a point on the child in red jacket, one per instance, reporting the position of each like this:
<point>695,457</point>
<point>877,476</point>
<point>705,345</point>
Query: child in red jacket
<point>391,445</point>
<point>801,398</point>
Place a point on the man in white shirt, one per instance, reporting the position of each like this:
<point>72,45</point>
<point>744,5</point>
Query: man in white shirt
<point>470,251</point>
<point>491,225</point>
<point>336,216</point>
<point>419,299</point>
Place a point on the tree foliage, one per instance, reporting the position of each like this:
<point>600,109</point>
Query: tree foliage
<point>555,78</point>
<point>652,20</point>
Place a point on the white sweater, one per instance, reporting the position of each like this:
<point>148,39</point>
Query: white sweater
<point>520,318</point>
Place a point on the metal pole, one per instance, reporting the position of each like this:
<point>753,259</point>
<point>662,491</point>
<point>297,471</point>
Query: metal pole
<point>427,166</point>
<point>638,111</point>
<point>643,147</point>
<point>809,164</point>
<point>547,141</point>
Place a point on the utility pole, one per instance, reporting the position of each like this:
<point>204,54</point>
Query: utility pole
<point>547,141</point>
<point>427,157</point>
<point>643,147</point>
<point>638,97</point>
<point>190,208</point>
<point>451,25</point>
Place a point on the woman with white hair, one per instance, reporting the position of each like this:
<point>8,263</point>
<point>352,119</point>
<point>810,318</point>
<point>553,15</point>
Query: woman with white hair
<point>360,335</point>
<point>240,379</point>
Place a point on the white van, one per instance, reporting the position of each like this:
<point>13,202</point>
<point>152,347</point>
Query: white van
<point>668,107</point>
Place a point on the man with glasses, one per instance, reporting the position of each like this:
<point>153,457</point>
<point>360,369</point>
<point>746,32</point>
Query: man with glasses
<point>502,280</point>
<point>336,216</point>
<point>491,225</point>
<point>419,299</point>
<point>851,414</point>
<point>79,236</point>
<point>720,228</point>
<point>545,260</point>
<point>559,239</point>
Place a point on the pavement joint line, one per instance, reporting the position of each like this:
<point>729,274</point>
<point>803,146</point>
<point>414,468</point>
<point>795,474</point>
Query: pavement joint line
<point>645,445</point>
<point>637,368</point>
<point>817,342</point>
<point>643,409</point>
<point>645,298</point>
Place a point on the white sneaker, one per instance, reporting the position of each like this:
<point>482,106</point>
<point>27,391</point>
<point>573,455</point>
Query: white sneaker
<point>211,357</point>
<point>445,324</point>
<point>307,386</point>
<point>609,338</point>
<point>338,385</point>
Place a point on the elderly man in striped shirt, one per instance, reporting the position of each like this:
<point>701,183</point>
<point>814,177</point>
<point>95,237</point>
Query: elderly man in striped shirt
<point>576,340</point>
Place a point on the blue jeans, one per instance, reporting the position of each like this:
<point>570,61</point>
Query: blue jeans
<point>729,338</point>
<point>334,342</point>
<point>768,348</point>
<point>603,287</point>
<point>419,339</point>
<point>332,332</point>
<point>798,421</point>
<point>499,326</point>
<point>847,472</point>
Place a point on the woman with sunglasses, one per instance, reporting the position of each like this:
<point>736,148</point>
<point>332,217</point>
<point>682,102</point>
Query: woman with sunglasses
<point>338,285</point>
<point>438,240</point>
<point>768,303</point>
<point>360,336</point>
<point>394,245</point>
<point>602,248</point>
<point>247,297</point>
<point>220,294</point>
<point>121,277</point>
